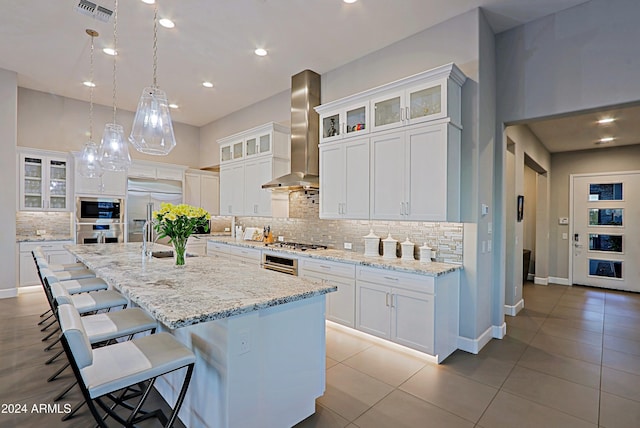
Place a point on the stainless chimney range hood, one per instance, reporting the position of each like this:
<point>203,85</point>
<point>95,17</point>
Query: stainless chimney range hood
<point>305,95</point>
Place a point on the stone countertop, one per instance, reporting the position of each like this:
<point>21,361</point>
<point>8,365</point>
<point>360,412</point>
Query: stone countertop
<point>397,264</point>
<point>202,290</point>
<point>42,238</point>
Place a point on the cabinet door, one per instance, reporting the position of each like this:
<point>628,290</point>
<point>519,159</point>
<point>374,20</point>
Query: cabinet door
<point>412,321</point>
<point>373,314</point>
<point>332,180</point>
<point>57,179</point>
<point>257,200</point>
<point>32,179</point>
<point>355,119</point>
<point>330,127</point>
<point>28,274</point>
<point>427,182</point>
<point>388,172</point>
<point>356,175</point>
<point>387,111</point>
<point>341,304</point>
<point>425,102</point>
<point>192,189</point>
<point>264,143</point>
<point>210,194</point>
<point>232,189</point>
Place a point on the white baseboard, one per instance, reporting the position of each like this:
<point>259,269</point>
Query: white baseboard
<point>512,311</point>
<point>475,345</point>
<point>499,331</point>
<point>561,281</point>
<point>8,292</point>
<point>541,281</point>
<point>30,289</point>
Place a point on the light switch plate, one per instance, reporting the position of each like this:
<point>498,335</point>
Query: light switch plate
<point>563,220</point>
<point>347,245</point>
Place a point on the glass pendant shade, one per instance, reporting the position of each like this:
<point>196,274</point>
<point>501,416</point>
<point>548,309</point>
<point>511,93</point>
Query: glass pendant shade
<point>152,130</point>
<point>114,151</point>
<point>90,166</point>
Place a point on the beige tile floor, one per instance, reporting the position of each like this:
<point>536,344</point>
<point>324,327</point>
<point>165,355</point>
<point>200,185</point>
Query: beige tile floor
<point>571,358</point>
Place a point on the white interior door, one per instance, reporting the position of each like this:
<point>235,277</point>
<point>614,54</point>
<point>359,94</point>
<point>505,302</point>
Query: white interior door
<point>606,231</point>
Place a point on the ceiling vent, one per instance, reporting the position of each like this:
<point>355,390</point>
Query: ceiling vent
<point>95,11</point>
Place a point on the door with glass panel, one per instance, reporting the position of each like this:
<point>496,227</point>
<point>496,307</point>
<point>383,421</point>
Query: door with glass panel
<point>606,230</point>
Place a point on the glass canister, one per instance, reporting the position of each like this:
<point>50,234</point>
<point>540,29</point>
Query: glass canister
<point>426,253</point>
<point>407,250</point>
<point>389,247</point>
<point>371,244</point>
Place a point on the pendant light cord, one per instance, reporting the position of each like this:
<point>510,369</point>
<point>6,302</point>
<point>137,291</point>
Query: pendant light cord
<point>115,48</point>
<point>91,90</point>
<point>155,44</point>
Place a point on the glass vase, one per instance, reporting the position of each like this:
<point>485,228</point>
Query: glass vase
<point>179,247</point>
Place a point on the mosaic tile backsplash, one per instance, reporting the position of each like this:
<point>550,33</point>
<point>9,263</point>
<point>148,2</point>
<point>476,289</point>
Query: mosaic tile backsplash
<point>55,223</point>
<point>304,225</point>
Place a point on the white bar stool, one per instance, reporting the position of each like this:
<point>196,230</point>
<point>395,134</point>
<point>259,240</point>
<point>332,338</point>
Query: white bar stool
<point>103,371</point>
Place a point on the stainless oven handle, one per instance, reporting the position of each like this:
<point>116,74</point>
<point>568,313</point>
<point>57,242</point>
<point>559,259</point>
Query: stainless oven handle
<point>290,271</point>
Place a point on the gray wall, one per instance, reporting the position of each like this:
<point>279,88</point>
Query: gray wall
<point>52,122</point>
<point>614,159</point>
<point>8,131</point>
<point>581,58</point>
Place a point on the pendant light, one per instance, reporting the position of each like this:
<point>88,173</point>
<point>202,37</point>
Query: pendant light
<point>152,130</point>
<point>114,151</point>
<point>89,156</point>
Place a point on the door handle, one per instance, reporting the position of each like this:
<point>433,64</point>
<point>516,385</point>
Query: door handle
<point>386,299</point>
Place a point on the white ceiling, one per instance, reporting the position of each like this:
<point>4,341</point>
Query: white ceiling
<point>44,41</point>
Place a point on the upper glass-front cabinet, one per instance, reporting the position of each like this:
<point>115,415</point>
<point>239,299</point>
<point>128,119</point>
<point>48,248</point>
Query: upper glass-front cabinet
<point>345,122</point>
<point>43,183</point>
<point>258,145</point>
<point>417,104</point>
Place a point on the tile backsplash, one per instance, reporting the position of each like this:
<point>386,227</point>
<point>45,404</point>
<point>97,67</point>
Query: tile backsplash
<point>55,223</point>
<point>305,225</point>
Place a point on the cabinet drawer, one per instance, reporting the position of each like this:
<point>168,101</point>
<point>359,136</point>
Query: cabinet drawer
<point>326,267</point>
<point>415,282</point>
<point>169,174</point>
<point>246,253</point>
<point>217,248</point>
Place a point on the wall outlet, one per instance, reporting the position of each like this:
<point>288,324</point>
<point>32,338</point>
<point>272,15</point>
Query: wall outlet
<point>227,229</point>
<point>347,245</point>
<point>40,232</point>
<point>280,238</point>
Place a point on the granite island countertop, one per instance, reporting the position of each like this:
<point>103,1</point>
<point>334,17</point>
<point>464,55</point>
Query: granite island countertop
<point>202,290</point>
<point>397,264</point>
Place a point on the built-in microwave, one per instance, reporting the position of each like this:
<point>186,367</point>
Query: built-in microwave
<point>99,210</point>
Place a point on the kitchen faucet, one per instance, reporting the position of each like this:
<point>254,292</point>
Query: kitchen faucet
<point>145,232</point>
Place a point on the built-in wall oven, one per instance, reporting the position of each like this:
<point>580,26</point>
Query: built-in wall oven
<point>99,220</point>
<point>286,262</point>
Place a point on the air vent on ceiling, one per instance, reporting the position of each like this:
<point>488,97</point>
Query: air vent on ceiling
<point>95,11</point>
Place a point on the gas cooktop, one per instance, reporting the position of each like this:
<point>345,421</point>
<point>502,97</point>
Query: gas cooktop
<point>297,246</point>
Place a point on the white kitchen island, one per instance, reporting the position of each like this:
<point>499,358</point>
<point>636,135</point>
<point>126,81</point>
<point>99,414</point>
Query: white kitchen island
<point>258,335</point>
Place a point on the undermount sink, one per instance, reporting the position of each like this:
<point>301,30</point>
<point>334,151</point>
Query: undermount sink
<point>167,254</point>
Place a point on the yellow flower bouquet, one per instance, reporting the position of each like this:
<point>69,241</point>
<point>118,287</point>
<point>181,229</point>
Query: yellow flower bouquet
<point>178,222</point>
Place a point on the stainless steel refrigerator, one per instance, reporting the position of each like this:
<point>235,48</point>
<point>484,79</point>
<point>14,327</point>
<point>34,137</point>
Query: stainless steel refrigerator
<point>142,192</point>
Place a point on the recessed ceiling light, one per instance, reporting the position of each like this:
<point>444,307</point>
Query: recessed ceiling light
<point>110,51</point>
<point>149,1</point>
<point>173,105</point>
<point>349,1</point>
<point>207,84</point>
<point>606,120</point>
<point>260,52</point>
<point>89,84</point>
<point>166,23</point>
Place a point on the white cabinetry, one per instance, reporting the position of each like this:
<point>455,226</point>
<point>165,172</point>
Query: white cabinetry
<point>44,181</point>
<point>247,161</point>
<point>417,311</point>
<point>340,304</point>
<point>202,189</point>
<point>112,183</point>
<point>156,170</point>
<point>248,255</point>
<point>413,131</point>
<point>415,174</point>
<point>54,252</point>
<point>197,246</point>
<point>344,172</point>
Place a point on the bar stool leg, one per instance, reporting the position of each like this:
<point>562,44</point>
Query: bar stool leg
<point>42,321</point>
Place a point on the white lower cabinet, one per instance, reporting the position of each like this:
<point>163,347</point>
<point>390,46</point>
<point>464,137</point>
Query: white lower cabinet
<point>340,306</point>
<point>417,311</point>
<point>244,254</point>
<point>54,251</point>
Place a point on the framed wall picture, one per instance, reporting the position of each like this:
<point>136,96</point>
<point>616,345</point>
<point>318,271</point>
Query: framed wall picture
<point>520,208</point>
